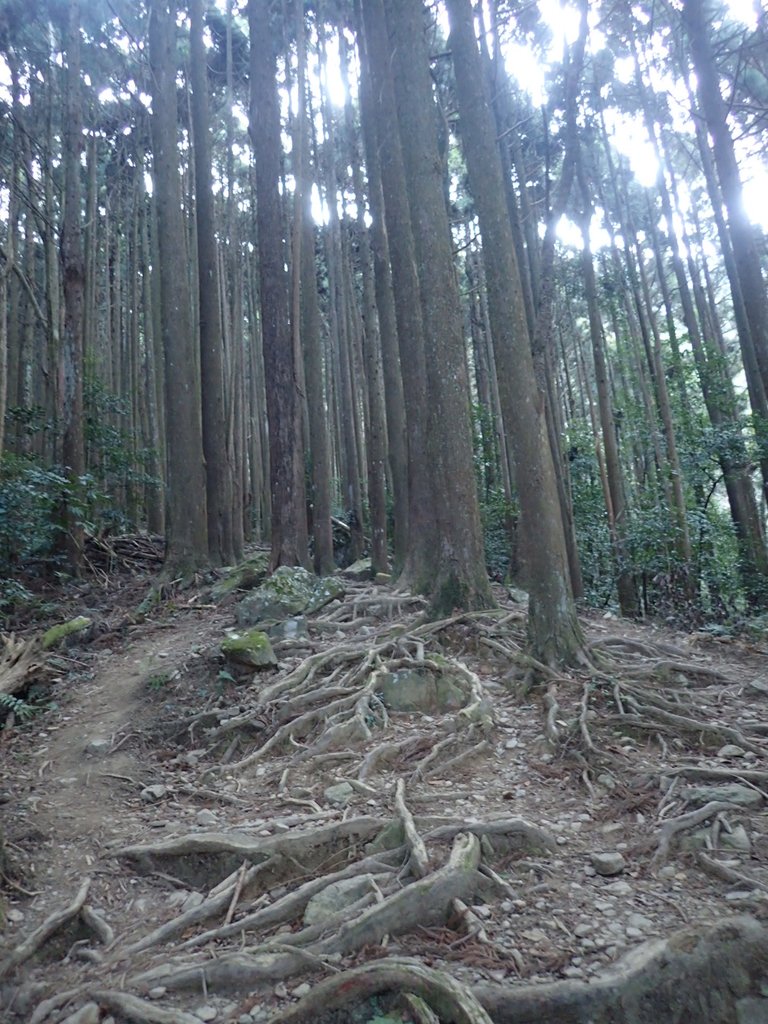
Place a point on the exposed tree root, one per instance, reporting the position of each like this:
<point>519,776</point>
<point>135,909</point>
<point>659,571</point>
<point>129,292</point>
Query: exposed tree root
<point>452,1002</point>
<point>140,1010</point>
<point>40,935</point>
<point>288,907</point>
<point>674,826</point>
<point>426,901</point>
<point>418,859</point>
<point>727,874</point>
<point>695,975</point>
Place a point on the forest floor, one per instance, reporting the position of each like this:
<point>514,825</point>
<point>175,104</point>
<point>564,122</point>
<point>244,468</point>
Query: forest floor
<point>503,856</point>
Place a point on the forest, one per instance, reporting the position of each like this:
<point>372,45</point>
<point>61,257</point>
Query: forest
<point>383,400</point>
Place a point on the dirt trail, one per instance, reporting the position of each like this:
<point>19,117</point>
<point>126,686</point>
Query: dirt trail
<point>558,796</point>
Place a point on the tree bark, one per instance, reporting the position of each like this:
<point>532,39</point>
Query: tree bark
<point>460,579</point>
<point>286,456</point>
<point>73,272</point>
<point>186,529</point>
<point>216,447</point>
<point>552,624</point>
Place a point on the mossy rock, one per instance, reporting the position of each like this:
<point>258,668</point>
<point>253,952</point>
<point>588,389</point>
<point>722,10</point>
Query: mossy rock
<point>66,630</point>
<point>359,570</point>
<point>246,576</point>
<point>424,690</point>
<point>326,589</point>
<point>288,592</point>
<point>252,649</point>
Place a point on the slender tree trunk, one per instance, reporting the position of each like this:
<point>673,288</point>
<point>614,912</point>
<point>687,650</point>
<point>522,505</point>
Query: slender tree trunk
<point>311,330</point>
<point>628,597</point>
<point>218,468</point>
<point>73,271</point>
<point>553,626</point>
<point>286,456</point>
<point>186,521</point>
<point>745,254</point>
<point>397,445</point>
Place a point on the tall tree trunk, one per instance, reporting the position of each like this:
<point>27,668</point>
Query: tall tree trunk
<point>216,449</point>
<point>186,520</point>
<point>627,590</point>
<point>745,254</point>
<point>460,579</point>
<point>73,272</point>
<point>553,626</point>
<point>311,330</point>
<point>397,445</point>
<point>418,568</point>
<point>286,456</point>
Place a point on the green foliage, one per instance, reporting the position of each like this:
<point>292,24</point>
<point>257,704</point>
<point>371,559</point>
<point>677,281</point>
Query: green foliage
<point>17,707</point>
<point>29,498</point>
<point>33,495</point>
<point>499,518</point>
<point>159,680</point>
<point>113,459</point>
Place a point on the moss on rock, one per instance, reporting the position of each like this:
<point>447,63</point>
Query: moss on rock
<point>64,630</point>
<point>252,649</point>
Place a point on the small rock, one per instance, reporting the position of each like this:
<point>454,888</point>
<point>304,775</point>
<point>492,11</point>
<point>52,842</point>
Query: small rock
<point>573,972</point>
<point>155,792</point>
<point>206,817</point>
<point>737,839</point>
<point>510,744</point>
<point>87,1014</point>
<point>731,750</point>
<point>340,794</point>
<point>606,781</point>
<point>14,916</point>
<point>206,1013</point>
<point>280,990</point>
<point>584,929</point>
<point>667,872</point>
<point>611,827</point>
<point>157,993</point>
<point>98,745</point>
<point>739,895</point>
<point>302,990</point>
<point>634,933</point>
<point>245,1018</point>
<point>359,570</point>
<point>640,921</point>
<point>193,900</point>
<point>336,897</point>
<point>619,888</point>
<point>288,629</point>
<point>607,864</point>
<point>730,792</point>
<point>251,649</point>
